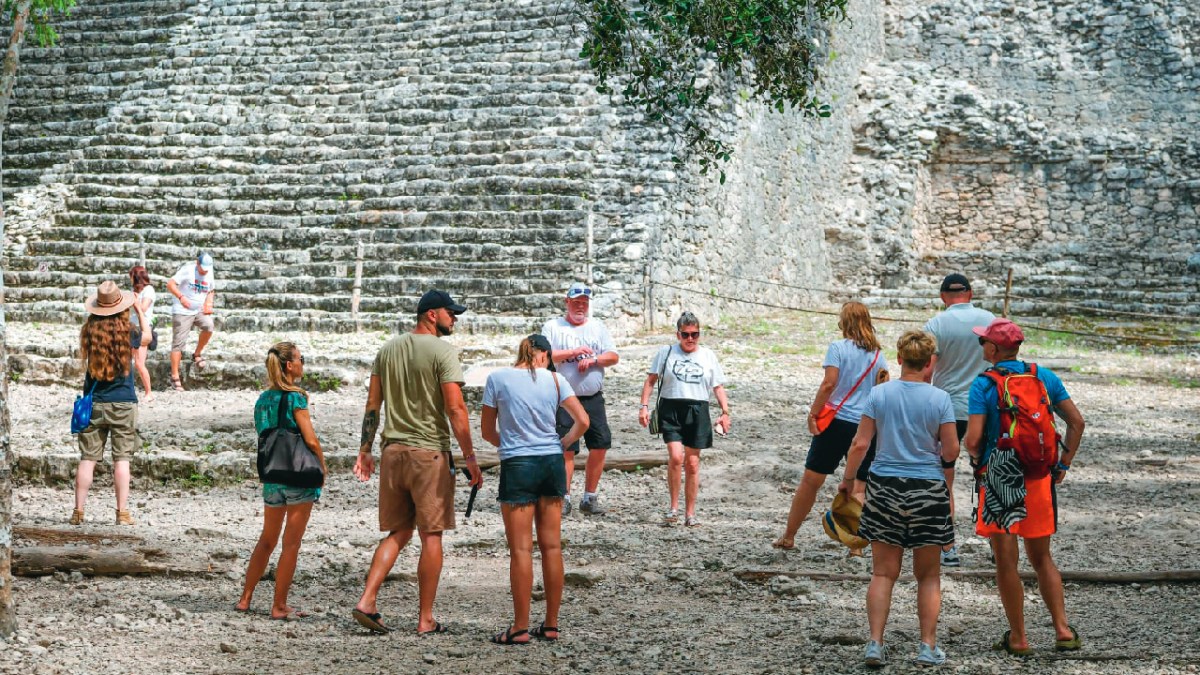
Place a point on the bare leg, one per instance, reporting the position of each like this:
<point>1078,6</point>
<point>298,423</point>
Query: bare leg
<point>802,503</point>
<point>949,473</point>
<point>674,471</point>
<point>569,466</point>
<point>382,563</point>
<point>293,532</point>
<point>1049,584</point>
<point>429,572</point>
<point>83,482</point>
<point>272,524</point>
<point>548,518</point>
<point>205,336</point>
<point>1012,592</point>
<point>691,468</point>
<point>595,467</point>
<point>927,567</point>
<point>885,569</point>
<point>143,372</point>
<point>121,483</point>
<point>518,528</point>
<point>175,358</point>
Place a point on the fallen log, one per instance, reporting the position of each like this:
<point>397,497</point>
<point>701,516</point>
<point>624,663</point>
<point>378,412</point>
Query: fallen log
<point>623,462</point>
<point>40,561</point>
<point>48,535</point>
<point>1081,576</point>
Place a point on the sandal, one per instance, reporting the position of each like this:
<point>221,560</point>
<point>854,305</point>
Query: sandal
<point>371,622</point>
<point>176,383</point>
<point>294,615</point>
<point>510,638</point>
<point>541,632</point>
<point>1005,646</point>
<point>1071,645</point>
<point>199,363</point>
<point>437,629</point>
<point>785,543</point>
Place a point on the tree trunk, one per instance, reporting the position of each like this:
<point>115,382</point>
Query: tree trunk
<point>40,561</point>
<point>8,79</point>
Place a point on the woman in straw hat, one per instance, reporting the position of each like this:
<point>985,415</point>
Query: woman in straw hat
<point>107,353</point>
<point>285,509</point>
<point>852,366</point>
<point>908,504</point>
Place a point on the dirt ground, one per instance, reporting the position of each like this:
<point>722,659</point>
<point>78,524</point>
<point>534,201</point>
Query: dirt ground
<point>642,597</point>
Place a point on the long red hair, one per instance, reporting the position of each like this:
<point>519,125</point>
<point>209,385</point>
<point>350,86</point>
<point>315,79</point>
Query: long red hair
<point>104,346</point>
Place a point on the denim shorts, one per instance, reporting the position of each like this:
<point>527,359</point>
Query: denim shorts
<point>275,494</point>
<point>525,480</point>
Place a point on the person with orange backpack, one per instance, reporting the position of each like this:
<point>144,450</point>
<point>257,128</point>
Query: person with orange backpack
<point>1014,448</point>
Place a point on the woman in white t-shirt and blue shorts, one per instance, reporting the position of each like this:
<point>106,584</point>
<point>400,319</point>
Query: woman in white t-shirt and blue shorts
<point>908,504</point>
<point>853,365</point>
<point>520,405</point>
<point>689,372</point>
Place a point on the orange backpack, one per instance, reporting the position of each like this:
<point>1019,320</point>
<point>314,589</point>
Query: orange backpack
<point>1026,419</point>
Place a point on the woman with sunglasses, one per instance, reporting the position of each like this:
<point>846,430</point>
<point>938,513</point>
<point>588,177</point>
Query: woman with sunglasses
<point>282,504</point>
<point>688,372</point>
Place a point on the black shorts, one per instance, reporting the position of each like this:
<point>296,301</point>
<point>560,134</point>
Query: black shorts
<point>829,448</point>
<point>961,427</point>
<point>684,420</point>
<point>597,436</point>
<point>907,512</point>
<point>135,339</point>
<point>525,480</point>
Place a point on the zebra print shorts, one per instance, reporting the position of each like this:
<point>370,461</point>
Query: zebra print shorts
<point>907,512</point>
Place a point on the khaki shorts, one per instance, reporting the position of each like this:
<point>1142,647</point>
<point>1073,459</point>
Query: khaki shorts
<point>115,420</point>
<point>416,489</point>
<point>181,325</point>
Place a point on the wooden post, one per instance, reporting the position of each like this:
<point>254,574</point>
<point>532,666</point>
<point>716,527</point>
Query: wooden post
<point>141,250</point>
<point>650,291</point>
<point>356,293</point>
<point>1007,293</point>
<point>590,246</point>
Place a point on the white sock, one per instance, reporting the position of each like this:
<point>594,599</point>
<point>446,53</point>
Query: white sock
<point>589,496</point>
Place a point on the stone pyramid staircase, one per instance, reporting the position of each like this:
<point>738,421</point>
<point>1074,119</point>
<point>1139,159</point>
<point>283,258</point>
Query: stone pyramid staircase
<point>458,142</point>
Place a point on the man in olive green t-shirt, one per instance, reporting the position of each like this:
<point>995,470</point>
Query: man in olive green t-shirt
<point>418,381</point>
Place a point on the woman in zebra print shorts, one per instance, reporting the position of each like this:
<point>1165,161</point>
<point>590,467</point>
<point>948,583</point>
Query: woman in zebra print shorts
<point>908,505</point>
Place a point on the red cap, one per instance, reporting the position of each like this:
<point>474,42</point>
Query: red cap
<point>1002,333</point>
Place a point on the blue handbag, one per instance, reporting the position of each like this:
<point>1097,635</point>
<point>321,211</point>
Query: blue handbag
<point>81,415</point>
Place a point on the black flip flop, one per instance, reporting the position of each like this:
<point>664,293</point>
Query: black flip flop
<point>437,628</point>
<point>542,629</point>
<point>507,638</point>
<point>370,621</point>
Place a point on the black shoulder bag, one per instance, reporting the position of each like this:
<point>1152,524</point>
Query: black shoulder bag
<point>653,426</point>
<point>283,456</point>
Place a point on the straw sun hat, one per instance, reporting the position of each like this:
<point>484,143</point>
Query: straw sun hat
<point>108,300</point>
<point>841,521</point>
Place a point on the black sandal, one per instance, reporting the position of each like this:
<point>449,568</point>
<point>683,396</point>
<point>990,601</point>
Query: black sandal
<point>541,630</point>
<point>508,638</point>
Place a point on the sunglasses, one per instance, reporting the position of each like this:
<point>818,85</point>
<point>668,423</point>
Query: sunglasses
<point>301,360</point>
<point>982,342</point>
<point>694,335</point>
<point>586,293</point>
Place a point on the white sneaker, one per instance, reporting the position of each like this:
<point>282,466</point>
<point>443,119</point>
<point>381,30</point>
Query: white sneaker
<point>950,558</point>
<point>566,507</point>
<point>591,506</point>
<point>875,656</point>
<point>930,656</point>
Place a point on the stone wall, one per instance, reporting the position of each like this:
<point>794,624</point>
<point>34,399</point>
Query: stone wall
<point>463,144</point>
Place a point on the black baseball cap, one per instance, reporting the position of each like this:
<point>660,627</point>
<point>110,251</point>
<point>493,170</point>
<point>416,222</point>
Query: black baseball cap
<point>955,283</point>
<point>435,299</point>
<point>542,344</point>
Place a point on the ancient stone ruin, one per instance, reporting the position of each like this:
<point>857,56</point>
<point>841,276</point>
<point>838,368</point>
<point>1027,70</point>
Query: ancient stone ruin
<point>463,145</point>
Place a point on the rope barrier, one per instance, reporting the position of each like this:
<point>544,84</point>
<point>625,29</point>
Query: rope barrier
<point>1157,339</point>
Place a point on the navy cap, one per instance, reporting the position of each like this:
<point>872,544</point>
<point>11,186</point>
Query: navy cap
<point>955,283</point>
<point>435,299</point>
<point>542,344</point>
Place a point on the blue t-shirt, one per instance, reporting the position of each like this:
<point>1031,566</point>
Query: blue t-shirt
<point>525,410</point>
<point>984,399</point>
<point>851,361</point>
<point>266,410</point>
<point>119,390</point>
<point>908,417</point>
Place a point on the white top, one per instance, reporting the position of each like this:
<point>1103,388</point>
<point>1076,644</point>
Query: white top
<point>688,376</point>
<point>525,410</point>
<point>959,355</point>
<point>148,294</point>
<point>851,362</point>
<point>563,337</point>
<point>194,288</point>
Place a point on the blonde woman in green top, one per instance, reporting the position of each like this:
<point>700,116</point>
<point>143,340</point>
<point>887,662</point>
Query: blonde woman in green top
<point>284,508</point>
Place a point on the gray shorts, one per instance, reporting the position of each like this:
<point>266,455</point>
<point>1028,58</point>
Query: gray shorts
<point>282,495</point>
<point>181,325</point>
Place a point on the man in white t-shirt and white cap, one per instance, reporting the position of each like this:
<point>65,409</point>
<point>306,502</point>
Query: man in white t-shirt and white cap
<point>582,350</point>
<point>193,289</point>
